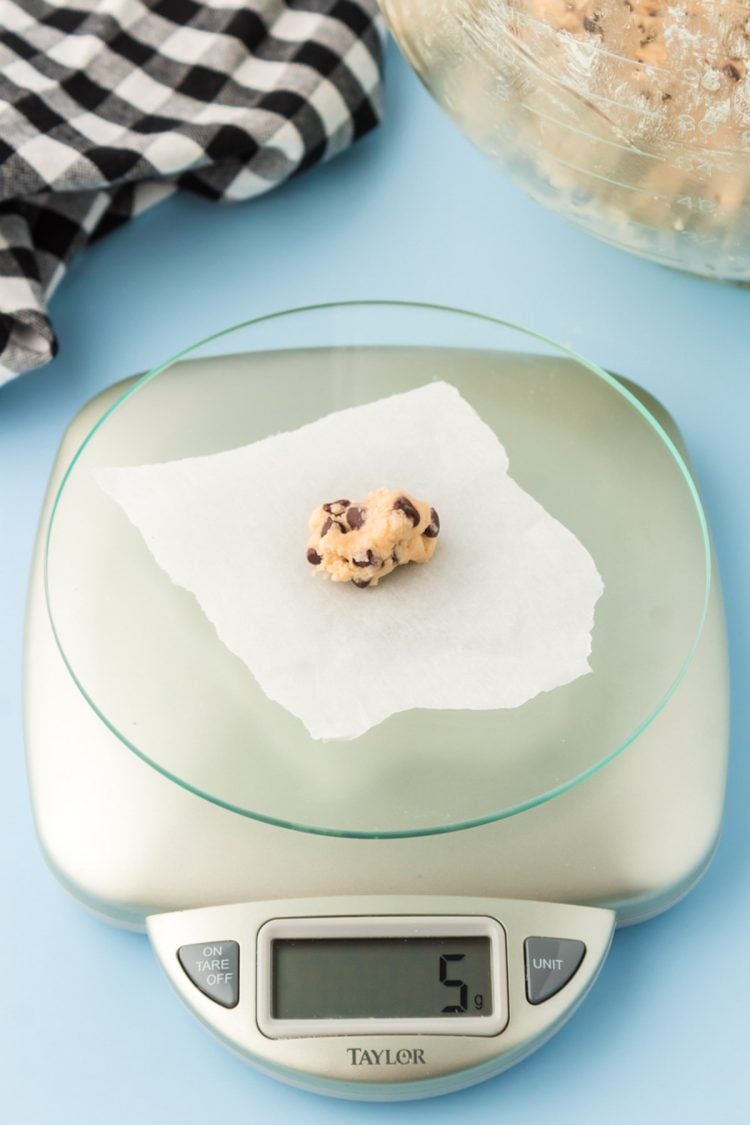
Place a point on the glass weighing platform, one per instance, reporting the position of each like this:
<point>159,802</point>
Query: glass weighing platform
<point>416,909</point>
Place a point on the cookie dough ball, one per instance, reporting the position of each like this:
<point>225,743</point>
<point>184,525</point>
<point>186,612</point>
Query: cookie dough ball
<point>362,541</point>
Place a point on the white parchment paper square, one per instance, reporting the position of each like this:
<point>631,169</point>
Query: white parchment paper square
<point>503,611</point>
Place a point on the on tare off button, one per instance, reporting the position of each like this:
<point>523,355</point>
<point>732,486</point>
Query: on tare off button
<point>214,968</point>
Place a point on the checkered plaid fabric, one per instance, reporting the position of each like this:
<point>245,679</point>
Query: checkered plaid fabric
<point>107,106</point>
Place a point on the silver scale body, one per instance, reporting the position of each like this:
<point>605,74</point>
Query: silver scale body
<point>142,852</point>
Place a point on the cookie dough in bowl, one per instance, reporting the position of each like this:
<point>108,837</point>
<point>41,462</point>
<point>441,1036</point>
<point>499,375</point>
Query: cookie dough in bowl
<point>629,117</point>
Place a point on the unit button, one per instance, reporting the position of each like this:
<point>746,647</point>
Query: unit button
<point>214,968</point>
<point>550,964</point>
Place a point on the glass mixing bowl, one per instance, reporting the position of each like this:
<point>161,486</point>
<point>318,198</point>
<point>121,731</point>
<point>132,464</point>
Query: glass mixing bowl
<point>629,117</point>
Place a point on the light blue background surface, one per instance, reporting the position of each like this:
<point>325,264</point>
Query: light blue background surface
<point>90,1031</point>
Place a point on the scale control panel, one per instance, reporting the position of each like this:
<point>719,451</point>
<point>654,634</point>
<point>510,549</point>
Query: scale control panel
<point>383,996</point>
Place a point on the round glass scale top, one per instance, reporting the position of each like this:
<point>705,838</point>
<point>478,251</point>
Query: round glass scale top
<point>600,460</point>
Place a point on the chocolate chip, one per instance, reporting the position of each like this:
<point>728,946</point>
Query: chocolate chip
<point>329,523</point>
<point>406,506</point>
<point>433,528</point>
<point>355,516</point>
<point>370,559</point>
<point>361,582</point>
<point>313,557</point>
<point>732,72</point>
<point>337,507</point>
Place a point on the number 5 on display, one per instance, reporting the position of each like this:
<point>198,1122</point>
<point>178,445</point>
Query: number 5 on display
<point>444,979</point>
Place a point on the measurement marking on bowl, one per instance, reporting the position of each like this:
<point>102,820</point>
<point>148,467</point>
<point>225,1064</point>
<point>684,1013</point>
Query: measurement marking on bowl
<point>615,183</point>
<point>621,146</point>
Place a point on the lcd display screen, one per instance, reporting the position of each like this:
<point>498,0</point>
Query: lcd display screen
<point>381,978</point>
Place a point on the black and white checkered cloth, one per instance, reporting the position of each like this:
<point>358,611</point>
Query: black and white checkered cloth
<point>107,106</point>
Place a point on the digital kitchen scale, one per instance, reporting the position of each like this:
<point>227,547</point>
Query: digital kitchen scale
<point>412,911</point>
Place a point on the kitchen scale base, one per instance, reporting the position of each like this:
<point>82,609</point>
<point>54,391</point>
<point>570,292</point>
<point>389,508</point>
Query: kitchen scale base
<point>146,848</point>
